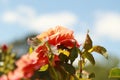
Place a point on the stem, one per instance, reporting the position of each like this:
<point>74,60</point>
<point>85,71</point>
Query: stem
<point>51,59</point>
<point>76,78</point>
<point>50,51</point>
<point>53,73</point>
<point>80,68</point>
<point>81,62</point>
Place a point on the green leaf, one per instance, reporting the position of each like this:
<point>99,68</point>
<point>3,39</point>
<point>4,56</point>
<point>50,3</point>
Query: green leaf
<point>114,73</point>
<point>88,42</point>
<point>73,54</point>
<point>44,68</point>
<point>89,56</point>
<point>64,51</point>
<point>63,57</point>
<point>91,75</point>
<point>30,49</point>
<point>69,68</point>
<point>99,49</point>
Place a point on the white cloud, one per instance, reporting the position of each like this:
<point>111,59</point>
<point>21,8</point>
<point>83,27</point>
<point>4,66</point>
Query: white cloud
<point>10,17</point>
<point>27,17</point>
<point>108,25</point>
<point>26,11</point>
<point>51,20</point>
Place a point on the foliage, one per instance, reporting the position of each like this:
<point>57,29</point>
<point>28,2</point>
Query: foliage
<point>7,60</point>
<point>53,53</point>
<point>114,73</point>
<point>103,67</point>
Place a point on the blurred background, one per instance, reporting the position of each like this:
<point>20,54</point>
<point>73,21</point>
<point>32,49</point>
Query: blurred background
<point>21,19</point>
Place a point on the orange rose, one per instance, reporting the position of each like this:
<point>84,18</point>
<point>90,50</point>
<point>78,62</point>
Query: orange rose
<point>59,35</point>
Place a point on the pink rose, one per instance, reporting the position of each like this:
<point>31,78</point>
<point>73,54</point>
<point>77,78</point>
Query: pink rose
<point>59,35</point>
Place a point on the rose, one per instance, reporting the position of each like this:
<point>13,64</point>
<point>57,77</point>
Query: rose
<point>59,35</point>
<point>26,66</point>
<point>40,56</point>
<point>3,77</point>
<point>23,70</point>
<point>29,63</point>
<point>55,37</point>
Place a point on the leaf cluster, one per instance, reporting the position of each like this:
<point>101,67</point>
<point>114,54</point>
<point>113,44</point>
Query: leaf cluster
<point>65,69</point>
<point>7,60</point>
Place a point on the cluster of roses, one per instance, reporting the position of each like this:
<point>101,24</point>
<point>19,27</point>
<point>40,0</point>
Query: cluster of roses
<point>45,50</point>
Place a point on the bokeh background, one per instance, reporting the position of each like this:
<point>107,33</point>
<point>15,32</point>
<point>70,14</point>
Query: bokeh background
<point>21,19</point>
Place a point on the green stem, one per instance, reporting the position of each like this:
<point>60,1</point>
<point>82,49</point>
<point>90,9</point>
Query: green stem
<point>51,57</point>
<point>76,78</point>
<point>52,70</point>
<point>80,68</point>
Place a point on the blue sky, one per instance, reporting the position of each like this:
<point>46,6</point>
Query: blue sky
<point>102,17</point>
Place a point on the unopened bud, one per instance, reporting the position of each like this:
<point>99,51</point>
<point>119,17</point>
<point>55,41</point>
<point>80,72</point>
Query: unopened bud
<point>4,48</point>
